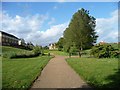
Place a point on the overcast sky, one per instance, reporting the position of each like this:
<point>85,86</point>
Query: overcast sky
<point>44,22</point>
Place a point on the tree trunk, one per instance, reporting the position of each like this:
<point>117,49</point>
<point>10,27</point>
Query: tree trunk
<point>69,54</point>
<point>79,54</point>
<point>80,51</point>
<point>81,48</point>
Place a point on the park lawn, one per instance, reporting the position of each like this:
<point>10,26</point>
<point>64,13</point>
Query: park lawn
<point>99,73</point>
<point>8,49</point>
<point>59,53</point>
<point>20,73</point>
<point>12,52</point>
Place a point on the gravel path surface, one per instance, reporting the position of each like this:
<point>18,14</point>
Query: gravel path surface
<point>58,74</point>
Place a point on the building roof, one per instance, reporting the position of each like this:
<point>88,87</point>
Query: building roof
<point>9,34</point>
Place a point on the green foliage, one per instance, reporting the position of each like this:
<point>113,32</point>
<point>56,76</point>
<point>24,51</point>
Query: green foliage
<point>10,52</point>
<point>115,46</point>
<point>60,44</point>
<point>30,45</point>
<point>97,72</point>
<point>114,54</point>
<point>73,50</point>
<point>45,47</point>
<point>104,51</point>
<point>66,47</point>
<point>81,31</point>
<point>37,50</point>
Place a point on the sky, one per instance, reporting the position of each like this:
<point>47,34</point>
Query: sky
<point>43,23</point>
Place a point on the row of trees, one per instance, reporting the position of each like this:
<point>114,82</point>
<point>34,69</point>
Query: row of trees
<point>80,34</point>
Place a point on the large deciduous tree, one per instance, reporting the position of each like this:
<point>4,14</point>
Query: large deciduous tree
<point>60,44</point>
<point>81,31</point>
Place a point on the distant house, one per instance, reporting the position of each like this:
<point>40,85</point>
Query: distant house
<point>8,39</point>
<point>102,42</point>
<point>52,46</point>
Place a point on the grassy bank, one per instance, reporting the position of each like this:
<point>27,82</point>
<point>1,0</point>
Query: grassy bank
<point>20,73</point>
<point>97,72</point>
<point>59,53</point>
<point>7,49</point>
<point>11,52</point>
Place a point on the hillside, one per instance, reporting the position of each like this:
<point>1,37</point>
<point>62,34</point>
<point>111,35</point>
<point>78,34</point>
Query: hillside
<point>11,52</point>
<point>9,49</point>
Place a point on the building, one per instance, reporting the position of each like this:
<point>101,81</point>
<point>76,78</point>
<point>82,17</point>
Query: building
<point>52,46</point>
<point>102,42</point>
<point>8,39</point>
<point>21,42</point>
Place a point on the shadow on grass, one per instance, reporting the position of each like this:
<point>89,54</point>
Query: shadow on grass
<point>114,82</point>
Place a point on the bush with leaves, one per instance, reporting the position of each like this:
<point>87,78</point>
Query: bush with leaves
<point>37,50</point>
<point>73,50</point>
<point>104,51</point>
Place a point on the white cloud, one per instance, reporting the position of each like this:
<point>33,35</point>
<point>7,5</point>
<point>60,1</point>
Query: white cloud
<point>52,21</point>
<point>107,28</point>
<point>54,33</point>
<point>51,35</point>
<point>30,28</point>
<point>61,1</point>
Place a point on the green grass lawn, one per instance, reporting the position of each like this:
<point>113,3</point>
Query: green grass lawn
<point>59,53</point>
<point>97,72</point>
<point>11,49</point>
<point>20,73</point>
<point>11,52</point>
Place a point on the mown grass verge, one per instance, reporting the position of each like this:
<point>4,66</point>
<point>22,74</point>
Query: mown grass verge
<point>20,73</point>
<point>59,53</point>
<point>99,73</point>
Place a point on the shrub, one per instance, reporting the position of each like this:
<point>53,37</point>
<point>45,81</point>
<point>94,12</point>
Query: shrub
<point>115,54</point>
<point>104,51</point>
<point>73,50</point>
<point>37,50</point>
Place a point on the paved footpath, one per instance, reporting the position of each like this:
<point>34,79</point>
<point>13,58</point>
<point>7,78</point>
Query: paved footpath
<point>58,74</point>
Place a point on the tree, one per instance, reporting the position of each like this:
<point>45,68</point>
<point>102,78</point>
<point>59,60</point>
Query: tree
<point>37,50</point>
<point>30,45</point>
<point>60,44</point>
<point>45,47</point>
<point>81,31</point>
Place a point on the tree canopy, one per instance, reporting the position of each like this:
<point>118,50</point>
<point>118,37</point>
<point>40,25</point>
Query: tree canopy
<point>81,31</point>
